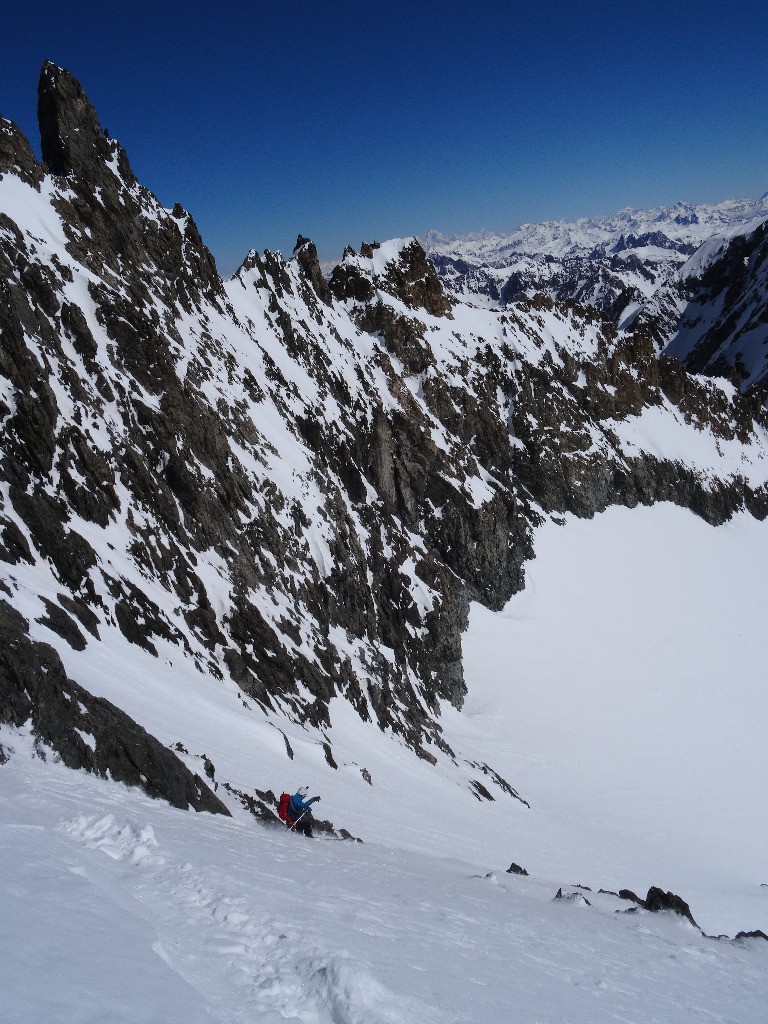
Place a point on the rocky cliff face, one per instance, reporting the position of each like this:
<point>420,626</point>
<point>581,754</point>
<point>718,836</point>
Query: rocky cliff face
<point>296,486</point>
<point>713,315</point>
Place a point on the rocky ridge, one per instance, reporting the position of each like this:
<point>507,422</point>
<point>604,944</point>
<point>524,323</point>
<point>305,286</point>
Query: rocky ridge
<point>298,486</point>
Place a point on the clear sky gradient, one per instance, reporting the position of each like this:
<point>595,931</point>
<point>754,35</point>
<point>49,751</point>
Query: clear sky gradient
<point>347,120</point>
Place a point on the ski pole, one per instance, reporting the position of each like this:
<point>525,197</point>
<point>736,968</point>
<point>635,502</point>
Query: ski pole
<point>293,826</point>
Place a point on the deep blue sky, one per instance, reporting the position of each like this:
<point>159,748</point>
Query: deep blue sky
<point>348,120</point>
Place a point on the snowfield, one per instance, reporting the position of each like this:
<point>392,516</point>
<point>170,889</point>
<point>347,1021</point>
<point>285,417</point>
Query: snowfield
<point>633,716</point>
<point>133,912</point>
<point>632,721</point>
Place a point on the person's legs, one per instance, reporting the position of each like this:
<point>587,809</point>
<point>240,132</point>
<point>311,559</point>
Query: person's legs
<point>305,825</point>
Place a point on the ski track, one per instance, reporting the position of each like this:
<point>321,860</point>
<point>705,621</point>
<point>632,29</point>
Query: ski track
<point>278,972</point>
<point>483,947</point>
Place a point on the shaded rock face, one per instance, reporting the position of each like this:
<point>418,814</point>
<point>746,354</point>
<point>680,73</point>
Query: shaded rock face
<point>305,254</point>
<point>16,156</point>
<point>86,731</point>
<point>71,138</point>
<point>348,282</point>
<point>714,315</point>
<point>295,487</point>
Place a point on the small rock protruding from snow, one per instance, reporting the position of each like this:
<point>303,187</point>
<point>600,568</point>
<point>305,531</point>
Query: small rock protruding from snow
<point>572,897</point>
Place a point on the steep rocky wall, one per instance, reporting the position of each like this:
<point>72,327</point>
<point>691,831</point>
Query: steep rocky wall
<point>569,414</point>
<point>298,486</point>
<point>82,730</point>
<point>713,315</point>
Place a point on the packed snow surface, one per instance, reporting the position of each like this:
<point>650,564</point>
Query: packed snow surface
<point>622,694</point>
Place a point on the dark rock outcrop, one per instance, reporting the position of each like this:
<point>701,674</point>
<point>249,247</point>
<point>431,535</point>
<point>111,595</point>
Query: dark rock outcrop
<point>413,280</point>
<point>85,731</point>
<point>409,277</point>
<point>16,156</point>
<point>658,900</point>
<point>347,281</point>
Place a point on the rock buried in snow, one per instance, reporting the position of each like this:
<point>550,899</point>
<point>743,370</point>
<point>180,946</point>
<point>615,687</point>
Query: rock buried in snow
<point>750,935</point>
<point>572,897</point>
<point>515,869</point>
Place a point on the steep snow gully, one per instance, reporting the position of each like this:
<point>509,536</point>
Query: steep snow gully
<point>489,576</point>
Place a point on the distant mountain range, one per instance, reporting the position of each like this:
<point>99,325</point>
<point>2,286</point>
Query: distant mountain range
<point>666,227</point>
<point>637,268</point>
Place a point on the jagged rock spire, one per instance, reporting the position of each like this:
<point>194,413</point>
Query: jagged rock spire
<point>71,138</point>
<point>305,253</point>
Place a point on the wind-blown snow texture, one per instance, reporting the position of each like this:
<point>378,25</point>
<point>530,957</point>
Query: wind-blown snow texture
<point>246,525</point>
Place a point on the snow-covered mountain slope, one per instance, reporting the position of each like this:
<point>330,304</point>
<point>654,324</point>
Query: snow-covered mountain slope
<point>295,486</point>
<point>613,263</point>
<point>195,917</point>
<point>149,915</point>
<point>246,524</point>
<point>713,314</point>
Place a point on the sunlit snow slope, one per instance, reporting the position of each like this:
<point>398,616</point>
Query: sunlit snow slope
<point>633,716</point>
